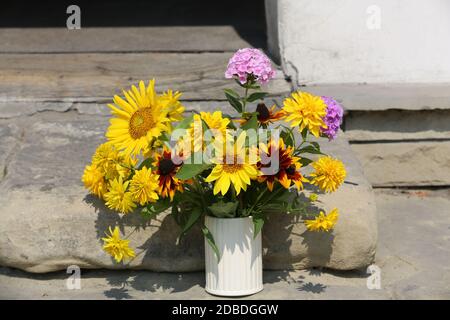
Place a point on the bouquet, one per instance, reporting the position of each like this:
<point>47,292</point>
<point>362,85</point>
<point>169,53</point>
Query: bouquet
<point>246,164</point>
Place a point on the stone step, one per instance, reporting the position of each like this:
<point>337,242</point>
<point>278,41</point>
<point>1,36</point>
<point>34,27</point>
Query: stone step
<point>403,129</point>
<point>47,220</point>
<point>413,263</point>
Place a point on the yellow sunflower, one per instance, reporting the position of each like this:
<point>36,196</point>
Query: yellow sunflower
<point>232,166</point>
<point>328,173</point>
<point>141,118</point>
<point>173,105</point>
<point>118,248</point>
<point>94,180</point>
<point>118,198</point>
<point>323,222</point>
<point>143,186</point>
<point>305,111</point>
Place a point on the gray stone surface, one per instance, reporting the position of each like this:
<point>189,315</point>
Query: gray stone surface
<point>412,163</point>
<point>413,256</point>
<point>366,126</point>
<point>48,222</point>
<point>96,77</point>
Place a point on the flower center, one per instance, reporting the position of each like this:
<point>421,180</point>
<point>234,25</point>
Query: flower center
<point>290,170</point>
<point>263,112</point>
<point>232,168</point>
<point>166,166</point>
<point>140,123</point>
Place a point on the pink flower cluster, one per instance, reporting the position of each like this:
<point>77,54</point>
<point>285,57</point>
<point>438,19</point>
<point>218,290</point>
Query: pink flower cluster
<point>247,62</point>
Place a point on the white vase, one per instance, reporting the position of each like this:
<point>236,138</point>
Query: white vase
<point>239,271</point>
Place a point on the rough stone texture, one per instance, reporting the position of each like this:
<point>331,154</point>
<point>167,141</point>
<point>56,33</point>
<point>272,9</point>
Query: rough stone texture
<point>48,222</point>
<point>413,257</point>
<point>96,77</point>
<point>406,163</point>
<point>397,125</point>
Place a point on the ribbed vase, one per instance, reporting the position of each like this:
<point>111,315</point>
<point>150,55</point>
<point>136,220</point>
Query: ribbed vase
<point>239,271</point>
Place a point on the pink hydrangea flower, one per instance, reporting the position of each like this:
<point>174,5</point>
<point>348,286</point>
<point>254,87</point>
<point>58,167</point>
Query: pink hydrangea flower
<point>247,62</point>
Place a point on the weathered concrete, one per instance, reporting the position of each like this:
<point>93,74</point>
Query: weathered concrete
<point>48,222</point>
<point>413,163</point>
<point>360,41</point>
<point>413,257</point>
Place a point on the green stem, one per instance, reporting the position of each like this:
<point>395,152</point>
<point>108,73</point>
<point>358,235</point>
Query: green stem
<point>245,100</point>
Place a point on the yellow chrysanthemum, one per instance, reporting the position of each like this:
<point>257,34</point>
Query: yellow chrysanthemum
<point>112,163</point>
<point>143,186</point>
<point>94,181</point>
<point>118,198</point>
<point>140,119</point>
<point>305,111</point>
<point>328,173</point>
<point>233,166</point>
<point>118,248</point>
<point>323,222</point>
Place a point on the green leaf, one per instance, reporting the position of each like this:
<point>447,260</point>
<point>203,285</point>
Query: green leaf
<point>189,170</point>
<point>305,161</point>
<point>258,223</point>
<point>234,102</point>
<point>153,209</point>
<point>209,237</point>
<point>304,134</point>
<point>251,123</point>
<point>288,138</point>
<point>146,163</point>
<point>185,123</point>
<point>256,96</point>
<point>309,149</point>
<point>194,215</point>
<point>231,93</point>
<point>223,209</point>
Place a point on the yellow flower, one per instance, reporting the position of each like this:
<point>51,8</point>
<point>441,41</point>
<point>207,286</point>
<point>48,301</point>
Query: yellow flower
<point>329,173</point>
<point>94,181</point>
<point>232,166</point>
<point>140,119</point>
<point>111,162</point>
<point>306,111</point>
<point>143,186</point>
<point>118,198</point>
<point>116,247</point>
<point>323,222</point>
<point>174,107</point>
<point>313,197</point>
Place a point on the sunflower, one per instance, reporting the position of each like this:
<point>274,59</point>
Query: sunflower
<point>140,119</point>
<point>306,111</point>
<point>94,180</point>
<point>118,198</point>
<point>143,186</point>
<point>232,166</point>
<point>166,169</point>
<point>323,222</point>
<point>288,170</point>
<point>116,247</point>
<point>328,173</point>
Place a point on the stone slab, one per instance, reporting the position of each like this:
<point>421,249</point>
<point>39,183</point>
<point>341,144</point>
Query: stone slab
<point>415,163</point>
<point>397,125</point>
<point>96,77</point>
<point>47,220</point>
<point>413,257</point>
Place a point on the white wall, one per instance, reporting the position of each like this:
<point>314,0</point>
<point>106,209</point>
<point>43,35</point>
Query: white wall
<point>329,41</point>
